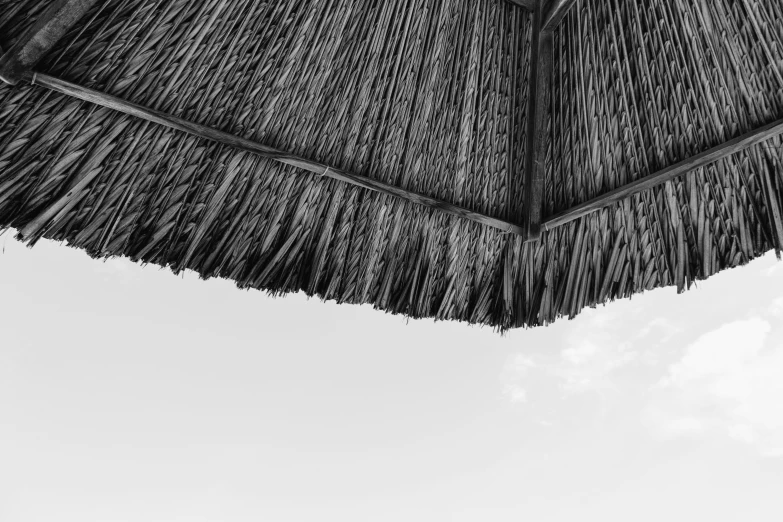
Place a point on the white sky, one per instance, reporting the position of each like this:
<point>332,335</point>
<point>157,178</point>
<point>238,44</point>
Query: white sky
<point>130,395</point>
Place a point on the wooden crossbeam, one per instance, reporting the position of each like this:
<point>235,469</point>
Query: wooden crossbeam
<point>554,11</point>
<point>704,159</point>
<point>37,41</point>
<point>202,131</point>
<point>684,167</point>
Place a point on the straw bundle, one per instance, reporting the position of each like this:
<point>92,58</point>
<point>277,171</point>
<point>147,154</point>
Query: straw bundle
<point>428,95</point>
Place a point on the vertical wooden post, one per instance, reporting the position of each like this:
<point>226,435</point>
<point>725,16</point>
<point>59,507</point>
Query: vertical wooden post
<point>35,43</point>
<point>538,103</point>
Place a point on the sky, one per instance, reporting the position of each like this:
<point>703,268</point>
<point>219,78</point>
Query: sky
<point>129,394</point>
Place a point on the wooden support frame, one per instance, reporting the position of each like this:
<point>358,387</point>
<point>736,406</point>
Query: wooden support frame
<point>682,168</point>
<point>539,94</point>
<point>202,131</point>
<point>546,15</point>
<point>16,64</point>
<point>36,42</point>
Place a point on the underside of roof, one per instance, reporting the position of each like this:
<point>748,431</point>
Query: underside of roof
<point>429,96</point>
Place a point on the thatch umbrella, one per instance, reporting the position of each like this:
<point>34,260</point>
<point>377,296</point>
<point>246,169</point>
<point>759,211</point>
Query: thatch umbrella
<point>497,162</point>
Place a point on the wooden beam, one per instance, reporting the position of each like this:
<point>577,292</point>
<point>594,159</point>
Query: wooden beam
<point>704,159</point>
<point>554,11</point>
<point>201,131</point>
<point>37,41</point>
<point>530,5</point>
<point>538,103</point>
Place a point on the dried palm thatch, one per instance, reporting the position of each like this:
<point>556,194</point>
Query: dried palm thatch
<point>429,96</point>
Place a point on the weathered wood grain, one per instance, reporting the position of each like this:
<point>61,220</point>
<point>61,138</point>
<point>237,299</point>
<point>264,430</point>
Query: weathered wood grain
<point>704,159</point>
<point>173,122</point>
<point>35,43</point>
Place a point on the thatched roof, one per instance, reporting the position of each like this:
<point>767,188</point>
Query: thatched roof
<point>426,97</point>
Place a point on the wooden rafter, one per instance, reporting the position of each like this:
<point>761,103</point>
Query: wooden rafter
<point>36,42</point>
<point>704,159</point>
<point>554,11</point>
<point>202,131</point>
<point>16,64</point>
<point>682,168</point>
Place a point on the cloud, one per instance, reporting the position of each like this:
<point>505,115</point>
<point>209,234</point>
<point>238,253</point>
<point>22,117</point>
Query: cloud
<point>773,270</point>
<point>515,393</point>
<point>776,308</point>
<point>728,383</point>
<point>513,378</point>
<point>592,352</point>
<point>687,370</point>
<point>720,353</point>
<point>605,343</point>
<point>682,427</point>
<point>586,366</point>
<point>580,353</point>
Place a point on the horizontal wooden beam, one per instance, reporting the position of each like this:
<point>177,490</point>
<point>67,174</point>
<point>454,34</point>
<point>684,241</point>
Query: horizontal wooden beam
<point>202,131</point>
<point>37,41</point>
<point>554,11</point>
<point>704,159</point>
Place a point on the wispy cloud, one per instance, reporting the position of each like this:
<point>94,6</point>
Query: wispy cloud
<point>776,308</point>
<point>729,383</point>
<point>593,350</point>
<point>514,377</point>
<point>708,366</point>
<point>515,393</point>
